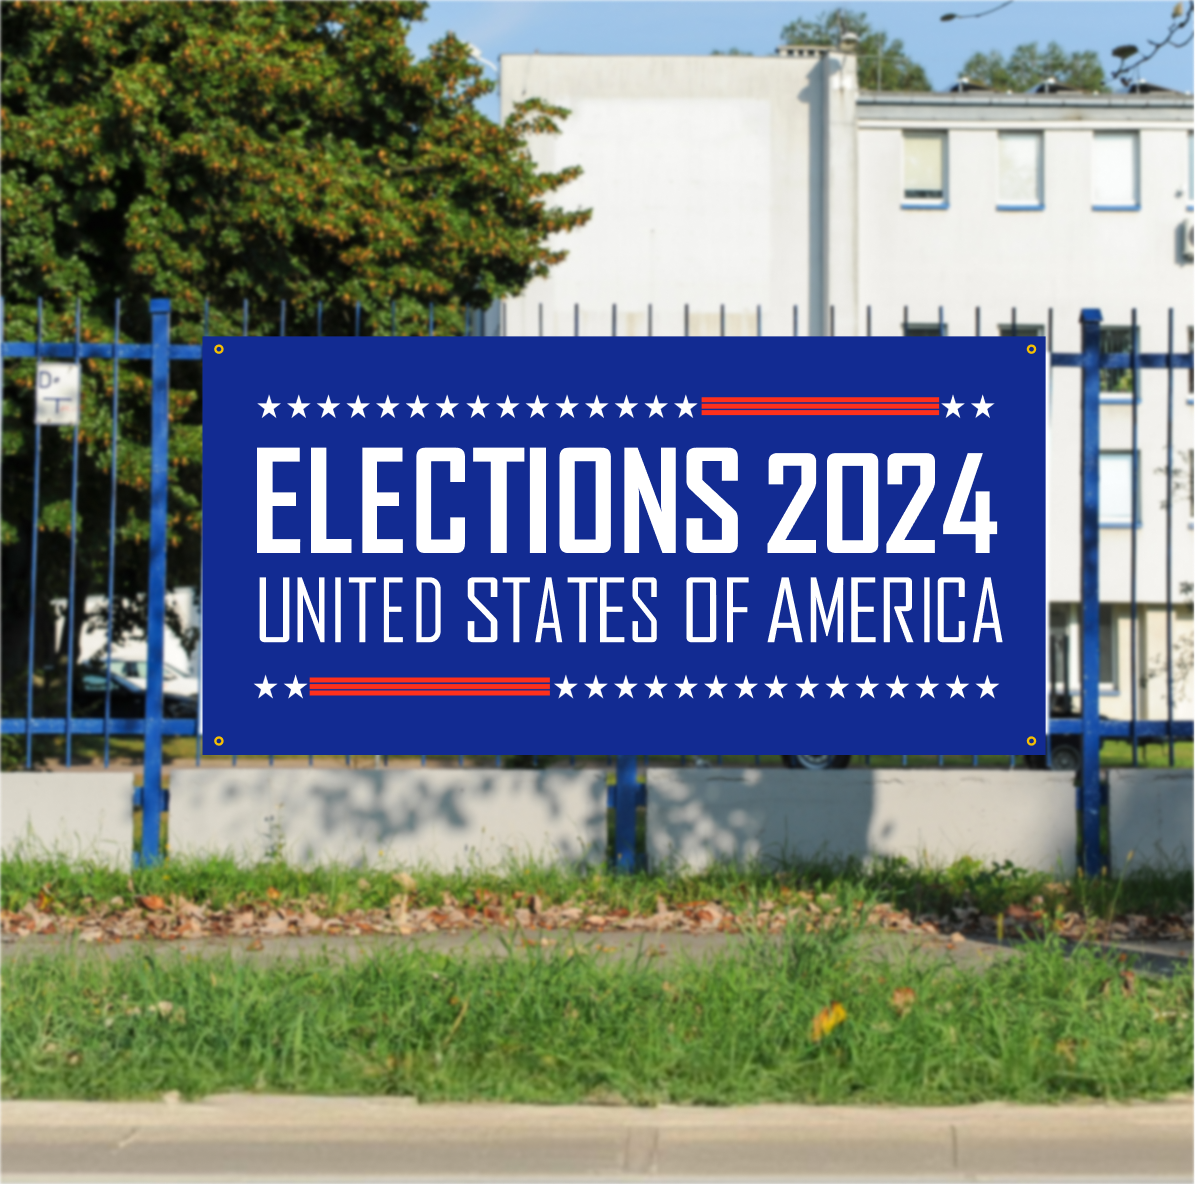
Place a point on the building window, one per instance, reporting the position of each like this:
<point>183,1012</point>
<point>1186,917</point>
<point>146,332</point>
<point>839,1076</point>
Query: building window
<point>1116,386</point>
<point>925,168</point>
<point>1108,661</point>
<point>1114,160</point>
<point>1022,329</point>
<point>1116,489</point>
<point>1020,171</point>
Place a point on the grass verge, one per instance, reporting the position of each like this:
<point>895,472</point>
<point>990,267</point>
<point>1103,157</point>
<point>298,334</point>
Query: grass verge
<point>809,1019</point>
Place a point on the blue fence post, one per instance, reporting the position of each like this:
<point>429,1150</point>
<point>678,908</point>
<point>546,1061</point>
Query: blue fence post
<point>152,797</point>
<point>34,527</point>
<point>70,610</point>
<point>626,791</point>
<point>1089,792</point>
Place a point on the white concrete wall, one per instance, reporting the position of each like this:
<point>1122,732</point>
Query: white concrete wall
<point>1150,814</point>
<point>696,817</point>
<point>441,817</point>
<point>87,815</point>
<point>705,177</point>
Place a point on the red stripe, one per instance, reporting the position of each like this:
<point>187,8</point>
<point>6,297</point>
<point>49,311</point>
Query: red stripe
<point>430,686</point>
<point>820,405</point>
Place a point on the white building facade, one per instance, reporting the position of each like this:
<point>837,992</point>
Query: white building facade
<point>739,195</point>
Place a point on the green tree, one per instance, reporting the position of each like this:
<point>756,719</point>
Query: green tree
<point>1028,65</point>
<point>262,151</point>
<point>883,64</point>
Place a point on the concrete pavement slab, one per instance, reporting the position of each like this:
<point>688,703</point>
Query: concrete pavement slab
<point>246,1137</point>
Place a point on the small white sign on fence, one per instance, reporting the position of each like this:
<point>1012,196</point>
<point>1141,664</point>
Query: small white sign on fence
<point>58,393</point>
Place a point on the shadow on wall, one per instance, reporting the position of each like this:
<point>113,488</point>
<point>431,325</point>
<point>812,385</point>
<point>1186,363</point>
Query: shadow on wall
<point>439,817</point>
<point>697,817</point>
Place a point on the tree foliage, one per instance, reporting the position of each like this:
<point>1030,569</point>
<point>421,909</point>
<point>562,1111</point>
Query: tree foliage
<point>1028,65</point>
<point>226,152</point>
<point>883,64</point>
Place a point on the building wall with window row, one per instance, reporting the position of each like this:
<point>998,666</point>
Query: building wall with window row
<point>728,191</point>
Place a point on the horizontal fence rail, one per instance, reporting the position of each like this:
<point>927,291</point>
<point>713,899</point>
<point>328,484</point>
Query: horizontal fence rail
<point>626,793</point>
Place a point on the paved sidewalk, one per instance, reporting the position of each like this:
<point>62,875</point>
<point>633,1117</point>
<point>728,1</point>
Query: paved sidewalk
<point>255,1138</point>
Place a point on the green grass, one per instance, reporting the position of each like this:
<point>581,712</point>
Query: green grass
<point>535,1027</point>
<point>72,886</point>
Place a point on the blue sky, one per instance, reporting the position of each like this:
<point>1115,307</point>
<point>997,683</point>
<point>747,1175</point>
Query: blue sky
<point>700,26</point>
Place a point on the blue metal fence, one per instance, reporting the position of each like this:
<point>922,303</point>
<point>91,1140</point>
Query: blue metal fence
<point>626,794</point>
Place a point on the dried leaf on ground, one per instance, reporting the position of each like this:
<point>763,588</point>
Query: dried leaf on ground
<point>827,1020</point>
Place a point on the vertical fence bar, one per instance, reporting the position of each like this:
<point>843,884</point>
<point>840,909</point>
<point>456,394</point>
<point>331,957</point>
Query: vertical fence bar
<point>541,318</point>
<point>431,319</point>
<point>1090,319</point>
<point>394,319</point>
<point>357,320</point>
<point>649,324</point>
<point>626,790</point>
<point>245,317</point>
<point>1135,477</point>
<point>282,318</point>
<point>686,320</point>
<point>868,323</point>
<point>978,333</point>
<point>1170,533</point>
<point>759,320</point>
<point>576,320</point>
<point>614,320</point>
<point>721,320</point>
<point>941,322</point>
<point>319,317</point>
<point>152,797</point>
<point>34,525</point>
<point>207,309</point>
<point>904,324</point>
<point>796,320</point>
<point>112,532</point>
<point>70,603</point>
<point>1014,322</point>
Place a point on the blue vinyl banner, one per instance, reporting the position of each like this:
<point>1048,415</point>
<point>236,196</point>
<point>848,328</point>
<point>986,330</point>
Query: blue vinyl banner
<point>624,545</point>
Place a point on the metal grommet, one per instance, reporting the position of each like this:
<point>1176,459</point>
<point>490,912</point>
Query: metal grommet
<point>219,349</point>
<point>218,740</point>
<point>1029,348</point>
<point>1030,740</point>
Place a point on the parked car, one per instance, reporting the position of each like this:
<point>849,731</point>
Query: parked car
<point>816,762</point>
<point>136,671</point>
<point>128,699</point>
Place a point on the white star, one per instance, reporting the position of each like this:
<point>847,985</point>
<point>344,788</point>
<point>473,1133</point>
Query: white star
<point>625,687</point>
<point>566,688</point>
<point>597,407</point>
<point>537,408</point>
<point>626,407</point>
<point>298,407</point>
<point>836,688</point>
<point>952,408</point>
<point>566,408</point>
<point>507,407</point>
<point>987,687</point>
<point>715,687</point>
<point>327,407</point>
<point>417,407</point>
<point>686,408</point>
<point>956,688</point>
<point>745,688</point>
<point>595,688</point>
<point>388,407</point>
<point>867,687</point>
<point>268,407</point>
<point>896,688</point>
<point>655,687</point>
<point>686,688</point>
<point>927,687</point>
<point>477,407</point>
<point>265,687</point>
<point>655,407</point>
<point>446,407</point>
<point>806,687</point>
<point>295,688</point>
<point>358,407</point>
<point>775,687</point>
<point>982,407</point>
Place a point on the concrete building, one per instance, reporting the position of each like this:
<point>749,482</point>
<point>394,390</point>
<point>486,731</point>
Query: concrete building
<point>740,195</point>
